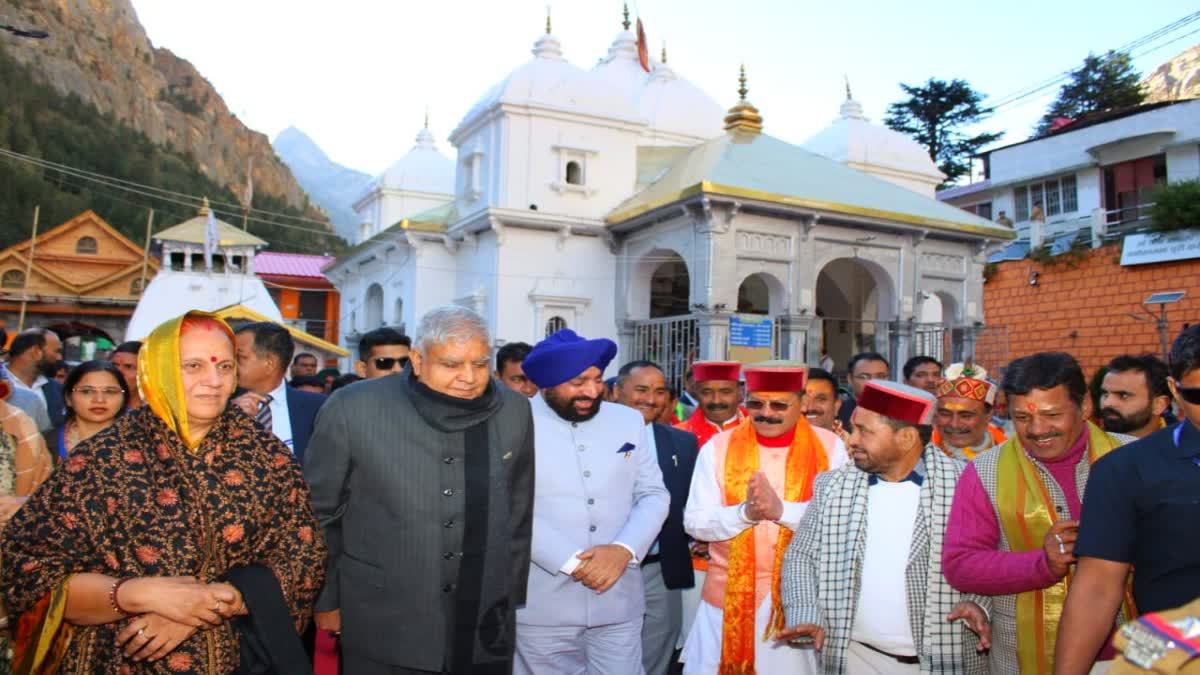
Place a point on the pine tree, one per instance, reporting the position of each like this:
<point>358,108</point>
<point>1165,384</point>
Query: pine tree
<point>1101,83</point>
<point>935,114</point>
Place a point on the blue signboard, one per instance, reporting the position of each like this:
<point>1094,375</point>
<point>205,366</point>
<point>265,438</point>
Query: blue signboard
<point>751,333</point>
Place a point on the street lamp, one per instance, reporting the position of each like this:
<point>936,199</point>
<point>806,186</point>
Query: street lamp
<point>1162,300</point>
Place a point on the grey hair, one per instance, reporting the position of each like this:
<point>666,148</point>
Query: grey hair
<point>450,323</point>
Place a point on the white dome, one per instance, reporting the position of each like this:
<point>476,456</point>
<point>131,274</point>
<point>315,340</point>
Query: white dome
<point>853,140</point>
<point>621,68</point>
<point>549,80</point>
<point>423,169</point>
<point>675,107</point>
<point>676,110</point>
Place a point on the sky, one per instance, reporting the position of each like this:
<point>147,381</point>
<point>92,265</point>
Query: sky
<point>357,75</point>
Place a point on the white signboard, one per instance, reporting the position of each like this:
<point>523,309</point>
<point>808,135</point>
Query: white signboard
<point>1141,249</point>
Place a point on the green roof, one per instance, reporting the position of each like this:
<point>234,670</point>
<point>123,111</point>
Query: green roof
<point>431,220</point>
<point>762,167</point>
<point>192,232</point>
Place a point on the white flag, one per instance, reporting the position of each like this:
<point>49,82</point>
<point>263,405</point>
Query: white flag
<point>211,239</point>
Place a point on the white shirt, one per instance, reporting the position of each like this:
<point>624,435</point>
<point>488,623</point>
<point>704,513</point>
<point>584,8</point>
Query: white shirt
<point>881,619</point>
<point>281,422</point>
<point>707,518</point>
<point>35,388</point>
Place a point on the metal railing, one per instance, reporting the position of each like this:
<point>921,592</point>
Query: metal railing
<point>672,342</point>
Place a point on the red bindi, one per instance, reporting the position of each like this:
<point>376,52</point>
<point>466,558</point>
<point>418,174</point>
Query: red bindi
<point>213,359</point>
<point>1031,408</point>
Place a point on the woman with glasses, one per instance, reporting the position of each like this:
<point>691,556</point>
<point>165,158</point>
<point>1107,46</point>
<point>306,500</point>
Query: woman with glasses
<point>95,394</point>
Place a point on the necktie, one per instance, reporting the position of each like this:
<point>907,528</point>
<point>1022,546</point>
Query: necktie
<point>263,416</point>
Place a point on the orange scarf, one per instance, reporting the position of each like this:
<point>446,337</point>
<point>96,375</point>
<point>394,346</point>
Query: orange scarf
<point>806,458</point>
<point>995,432</point>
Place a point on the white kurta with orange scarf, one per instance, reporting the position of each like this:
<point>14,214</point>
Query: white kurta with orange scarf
<point>707,518</point>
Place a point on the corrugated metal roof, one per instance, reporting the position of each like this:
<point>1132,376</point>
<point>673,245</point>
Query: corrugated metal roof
<point>759,166</point>
<point>291,264</point>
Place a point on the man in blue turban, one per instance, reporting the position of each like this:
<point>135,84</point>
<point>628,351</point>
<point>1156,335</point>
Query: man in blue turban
<point>599,504</point>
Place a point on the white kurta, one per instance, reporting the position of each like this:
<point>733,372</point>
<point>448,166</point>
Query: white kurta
<point>707,518</point>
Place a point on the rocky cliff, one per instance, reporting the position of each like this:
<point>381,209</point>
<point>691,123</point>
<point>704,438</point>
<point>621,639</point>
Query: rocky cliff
<point>99,51</point>
<point>1176,79</point>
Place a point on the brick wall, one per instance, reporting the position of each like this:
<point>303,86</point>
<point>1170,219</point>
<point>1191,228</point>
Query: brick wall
<point>1083,307</point>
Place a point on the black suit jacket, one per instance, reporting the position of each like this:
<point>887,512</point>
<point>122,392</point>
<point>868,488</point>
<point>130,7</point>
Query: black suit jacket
<point>302,413</point>
<point>677,458</point>
<point>302,410</point>
<point>56,404</point>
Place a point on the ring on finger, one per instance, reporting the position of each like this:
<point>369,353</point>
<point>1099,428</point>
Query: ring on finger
<point>1061,548</point>
<point>1058,538</point>
<point>141,631</point>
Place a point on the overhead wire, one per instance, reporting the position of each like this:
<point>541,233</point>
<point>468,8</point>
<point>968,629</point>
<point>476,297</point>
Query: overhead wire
<point>1008,100</point>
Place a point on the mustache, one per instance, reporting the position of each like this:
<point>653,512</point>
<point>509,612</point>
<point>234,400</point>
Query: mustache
<point>715,407</point>
<point>956,431</point>
<point>1111,412</point>
<point>768,420</point>
<point>1045,437</point>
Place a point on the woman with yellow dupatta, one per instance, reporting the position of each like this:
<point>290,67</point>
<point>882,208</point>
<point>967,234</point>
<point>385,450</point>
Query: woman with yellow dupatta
<point>133,557</point>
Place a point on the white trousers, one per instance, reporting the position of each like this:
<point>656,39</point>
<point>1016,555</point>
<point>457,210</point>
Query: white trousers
<point>702,652</point>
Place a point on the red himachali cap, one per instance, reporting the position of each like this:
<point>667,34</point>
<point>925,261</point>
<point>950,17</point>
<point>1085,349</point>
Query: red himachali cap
<point>898,401</point>
<point>703,371</point>
<point>776,379</point>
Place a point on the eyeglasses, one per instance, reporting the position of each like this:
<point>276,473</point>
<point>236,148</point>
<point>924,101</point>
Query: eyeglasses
<point>1189,394</point>
<point>389,362</point>
<point>106,392</point>
<point>775,406</point>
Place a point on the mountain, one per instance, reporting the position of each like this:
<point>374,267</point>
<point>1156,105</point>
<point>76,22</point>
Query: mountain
<point>1176,79</point>
<point>99,52</point>
<point>331,186</point>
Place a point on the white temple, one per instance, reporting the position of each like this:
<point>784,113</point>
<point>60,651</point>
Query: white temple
<point>628,204</point>
<point>185,281</point>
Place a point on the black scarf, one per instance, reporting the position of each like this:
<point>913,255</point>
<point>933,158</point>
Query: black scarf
<point>482,627</point>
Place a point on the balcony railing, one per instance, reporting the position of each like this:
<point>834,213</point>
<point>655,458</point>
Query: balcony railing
<point>314,327</point>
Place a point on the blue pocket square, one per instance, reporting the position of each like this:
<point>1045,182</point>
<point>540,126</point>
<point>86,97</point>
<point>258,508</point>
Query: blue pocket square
<point>626,449</point>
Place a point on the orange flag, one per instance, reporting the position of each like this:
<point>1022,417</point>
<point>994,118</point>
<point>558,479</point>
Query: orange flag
<point>643,50</point>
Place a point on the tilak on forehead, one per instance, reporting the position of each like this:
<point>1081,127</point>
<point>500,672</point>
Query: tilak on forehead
<point>213,359</point>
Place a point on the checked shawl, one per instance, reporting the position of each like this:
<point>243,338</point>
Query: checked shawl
<point>823,566</point>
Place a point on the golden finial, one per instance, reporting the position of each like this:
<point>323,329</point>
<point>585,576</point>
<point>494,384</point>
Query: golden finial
<point>625,23</point>
<point>204,209</point>
<point>547,19</point>
<point>664,54</point>
<point>743,117</point>
<point>848,96</point>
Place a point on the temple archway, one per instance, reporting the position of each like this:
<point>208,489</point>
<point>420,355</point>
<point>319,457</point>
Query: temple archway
<point>856,299</point>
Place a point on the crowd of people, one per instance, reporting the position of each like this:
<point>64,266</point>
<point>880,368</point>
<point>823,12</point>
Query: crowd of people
<point>209,500</point>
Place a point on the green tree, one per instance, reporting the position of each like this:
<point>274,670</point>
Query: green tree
<point>1176,206</point>
<point>1101,83</point>
<point>936,114</point>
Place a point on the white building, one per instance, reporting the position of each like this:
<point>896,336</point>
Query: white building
<point>618,203</point>
<point>1097,174</point>
<point>185,282</point>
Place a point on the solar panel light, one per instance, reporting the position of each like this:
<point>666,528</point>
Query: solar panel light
<point>1165,298</point>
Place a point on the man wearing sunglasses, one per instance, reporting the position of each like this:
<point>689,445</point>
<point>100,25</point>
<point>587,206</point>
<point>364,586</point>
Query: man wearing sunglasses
<point>1141,511</point>
<point>383,351</point>
<point>749,491</point>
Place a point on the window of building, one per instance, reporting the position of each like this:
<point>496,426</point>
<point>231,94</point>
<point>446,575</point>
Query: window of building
<point>1021,202</point>
<point>555,324</point>
<point>177,260</point>
<point>86,245</point>
<point>1057,195</point>
<point>13,279</point>
<point>1129,187</point>
<point>574,174</point>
